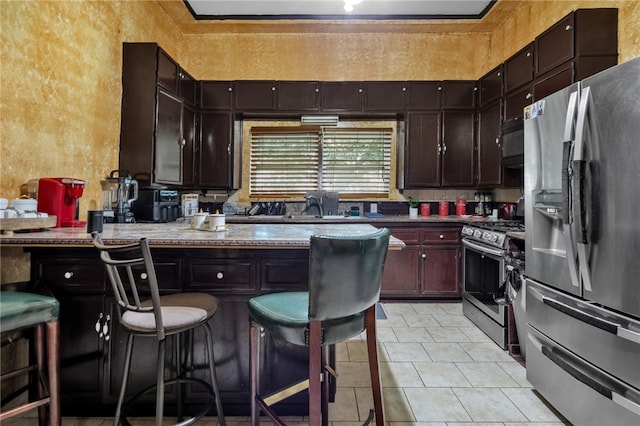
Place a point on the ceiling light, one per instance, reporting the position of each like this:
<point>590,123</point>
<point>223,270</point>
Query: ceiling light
<point>348,5</point>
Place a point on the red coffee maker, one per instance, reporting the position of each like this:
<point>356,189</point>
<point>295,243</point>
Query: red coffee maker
<point>61,197</point>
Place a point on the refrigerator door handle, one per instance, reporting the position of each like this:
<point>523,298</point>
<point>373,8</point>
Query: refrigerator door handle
<point>567,183</point>
<point>580,232</point>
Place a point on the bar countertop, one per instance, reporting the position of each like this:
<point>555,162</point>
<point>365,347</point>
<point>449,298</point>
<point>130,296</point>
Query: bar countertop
<point>179,234</point>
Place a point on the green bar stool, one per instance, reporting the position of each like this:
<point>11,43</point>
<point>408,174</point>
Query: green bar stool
<point>20,310</point>
<point>345,275</point>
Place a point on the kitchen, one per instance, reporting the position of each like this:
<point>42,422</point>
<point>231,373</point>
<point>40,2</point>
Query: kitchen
<point>74,95</point>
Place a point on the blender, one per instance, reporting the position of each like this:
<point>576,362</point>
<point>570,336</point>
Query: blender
<point>119,190</point>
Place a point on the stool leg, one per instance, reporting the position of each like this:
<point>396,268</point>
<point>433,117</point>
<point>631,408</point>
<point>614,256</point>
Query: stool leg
<point>372,350</point>
<point>254,365</point>
<point>160,381</point>
<point>212,370</point>
<point>315,361</point>
<point>125,379</point>
<point>39,351</point>
<point>325,385</point>
<point>53,370</point>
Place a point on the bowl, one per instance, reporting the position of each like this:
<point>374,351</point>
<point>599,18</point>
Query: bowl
<point>24,204</point>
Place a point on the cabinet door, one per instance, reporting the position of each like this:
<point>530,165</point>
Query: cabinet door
<point>385,96</point>
<point>298,96</point>
<point>490,86</point>
<point>553,81</point>
<point>188,129</point>
<point>422,150</point>
<point>401,274</point>
<point>596,32</point>
<point>555,45</point>
<point>518,69</point>
<point>255,95</point>
<point>459,94</point>
<point>440,271</point>
<point>489,150</point>
<point>215,158</point>
<point>341,95</point>
<point>187,86</point>
<point>167,72</point>
<point>169,141</point>
<point>424,95</point>
<point>515,102</point>
<point>457,148</point>
<point>216,95</point>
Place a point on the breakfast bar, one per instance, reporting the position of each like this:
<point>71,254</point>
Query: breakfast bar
<point>243,261</point>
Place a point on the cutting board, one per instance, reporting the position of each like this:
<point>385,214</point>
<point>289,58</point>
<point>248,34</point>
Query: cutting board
<point>8,226</point>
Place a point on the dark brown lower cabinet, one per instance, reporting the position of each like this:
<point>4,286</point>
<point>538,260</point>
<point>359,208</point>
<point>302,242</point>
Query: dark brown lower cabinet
<point>429,265</point>
<point>93,345</point>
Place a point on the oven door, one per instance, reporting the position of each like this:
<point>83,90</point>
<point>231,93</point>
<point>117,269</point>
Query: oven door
<point>483,275</point>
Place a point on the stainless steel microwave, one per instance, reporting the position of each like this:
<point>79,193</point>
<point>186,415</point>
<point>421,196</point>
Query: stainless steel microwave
<point>512,142</point>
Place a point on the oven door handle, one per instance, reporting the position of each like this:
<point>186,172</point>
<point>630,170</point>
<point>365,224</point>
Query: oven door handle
<point>484,249</point>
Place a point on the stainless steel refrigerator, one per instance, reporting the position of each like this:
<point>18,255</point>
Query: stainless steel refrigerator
<point>582,229</point>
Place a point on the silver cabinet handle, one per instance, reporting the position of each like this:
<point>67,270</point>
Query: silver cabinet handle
<point>68,275</point>
<point>105,328</point>
<point>528,54</point>
<point>529,95</point>
<point>98,325</point>
<point>567,28</point>
<point>424,255</point>
<point>219,275</point>
<point>444,148</point>
<point>144,276</point>
<point>441,237</point>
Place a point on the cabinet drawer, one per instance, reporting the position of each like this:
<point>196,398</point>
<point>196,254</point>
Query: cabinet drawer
<point>284,275</point>
<point>441,236</point>
<point>407,235</point>
<point>72,274</point>
<point>168,274</point>
<point>221,274</point>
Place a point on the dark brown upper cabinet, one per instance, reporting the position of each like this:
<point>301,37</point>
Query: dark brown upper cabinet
<point>385,96</point>
<point>489,150</point>
<point>175,79</point>
<point>457,148</point>
<point>490,86</point>
<point>298,96</point>
<point>255,95</point>
<point>422,152</point>
<point>215,155</point>
<point>515,102</point>
<point>424,95</point>
<point>341,95</point>
<point>217,95</point>
<point>554,80</point>
<point>459,94</point>
<point>585,32</point>
<point>518,70</point>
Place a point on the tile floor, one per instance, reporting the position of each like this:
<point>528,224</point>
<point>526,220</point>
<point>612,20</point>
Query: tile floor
<point>437,369</point>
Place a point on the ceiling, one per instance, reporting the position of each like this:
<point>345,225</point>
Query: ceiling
<point>336,9</point>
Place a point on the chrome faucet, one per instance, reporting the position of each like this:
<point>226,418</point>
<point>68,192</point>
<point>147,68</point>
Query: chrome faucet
<point>318,202</point>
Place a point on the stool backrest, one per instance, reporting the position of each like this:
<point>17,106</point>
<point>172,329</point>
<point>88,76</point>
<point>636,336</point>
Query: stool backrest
<point>130,269</point>
<point>345,273</point>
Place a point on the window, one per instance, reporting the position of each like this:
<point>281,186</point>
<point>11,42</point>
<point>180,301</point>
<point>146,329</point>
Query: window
<point>353,159</point>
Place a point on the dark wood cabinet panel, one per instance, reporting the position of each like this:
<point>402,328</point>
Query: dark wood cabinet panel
<point>457,148</point>
<point>515,101</point>
<point>490,86</point>
<point>459,94</point>
<point>424,95</point>
<point>400,277</point>
<point>518,70</point>
<point>385,96</point>
<point>215,155</point>
<point>216,95</point>
<point>422,150</point>
<point>253,95</point>
<point>489,150</point>
<point>168,147</point>
<point>585,32</point>
<point>167,72</point>
<point>341,95</point>
<point>298,96</point>
<point>187,86</point>
<point>553,81</point>
<point>440,271</point>
<point>586,66</point>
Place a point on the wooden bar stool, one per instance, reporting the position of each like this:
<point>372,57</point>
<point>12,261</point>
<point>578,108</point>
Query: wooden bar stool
<point>131,270</point>
<point>20,310</point>
<point>345,275</point>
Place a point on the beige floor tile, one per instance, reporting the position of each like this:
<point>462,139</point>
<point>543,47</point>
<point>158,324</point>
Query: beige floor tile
<point>451,352</point>
<point>420,320</point>
<point>344,409</point>
<point>486,375</point>
<point>447,334</point>
<point>517,372</point>
<point>400,375</point>
<point>452,320</point>
<point>401,352</point>
<point>451,308</point>
<point>342,353</point>
<point>412,334</point>
<point>475,334</point>
<point>530,404</point>
<point>353,374</point>
<point>386,334</point>
<point>441,374</point>
<point>488,405</point>
<point>428,308</point>
<point>436,404</point>
<point>488,351</point>
<point>396,406</point>
<point>399,308</point>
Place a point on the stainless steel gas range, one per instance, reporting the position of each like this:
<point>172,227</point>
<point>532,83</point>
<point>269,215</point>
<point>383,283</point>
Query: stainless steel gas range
<point>485,248</point>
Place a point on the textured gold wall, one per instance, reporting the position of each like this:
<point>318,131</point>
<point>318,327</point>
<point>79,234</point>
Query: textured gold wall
<point>61,86</point>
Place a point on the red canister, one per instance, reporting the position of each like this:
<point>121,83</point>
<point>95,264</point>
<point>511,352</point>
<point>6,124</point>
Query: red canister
<point>461,208</point>
<point>425,209</point>
<point>444,208</point>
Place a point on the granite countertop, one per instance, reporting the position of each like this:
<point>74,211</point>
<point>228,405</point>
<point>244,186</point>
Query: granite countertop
<point>179,234</point>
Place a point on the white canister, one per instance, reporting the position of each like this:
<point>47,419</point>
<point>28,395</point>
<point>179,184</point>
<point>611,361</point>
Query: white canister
<point>217,222</point>
<point>24,204</point>
<point>198,219</point>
